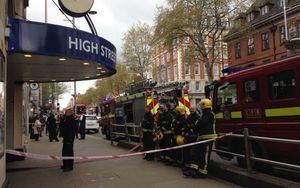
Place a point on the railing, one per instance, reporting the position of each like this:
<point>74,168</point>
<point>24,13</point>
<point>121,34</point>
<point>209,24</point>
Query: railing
<point>128,131</point>
<point>248,156</point>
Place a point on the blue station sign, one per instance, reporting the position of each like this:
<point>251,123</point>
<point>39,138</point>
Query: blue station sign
<point>53,40</point>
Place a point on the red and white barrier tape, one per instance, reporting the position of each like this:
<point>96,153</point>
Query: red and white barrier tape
<point>54,157</point>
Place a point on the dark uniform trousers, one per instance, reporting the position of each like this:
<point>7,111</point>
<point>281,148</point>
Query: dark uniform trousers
<point>148,143</point>
<point>166,142</point>
<point>201,156</point>
<point>187,152</point>
<point>67,151</point>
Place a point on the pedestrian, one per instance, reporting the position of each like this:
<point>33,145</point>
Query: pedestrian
<point>82,122</point>
<point>147,128</point>
<point>69,126</point>
<point>52,128</point>
<point>37,126</point>
<point>205,129</point>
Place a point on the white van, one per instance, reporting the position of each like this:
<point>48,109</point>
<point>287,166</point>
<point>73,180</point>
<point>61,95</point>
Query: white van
<point>91,123</point>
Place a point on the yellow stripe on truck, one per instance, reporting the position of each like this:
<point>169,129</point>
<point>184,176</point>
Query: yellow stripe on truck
<point>290,111</point>
<point>219,116</point>
<point>236,115</point>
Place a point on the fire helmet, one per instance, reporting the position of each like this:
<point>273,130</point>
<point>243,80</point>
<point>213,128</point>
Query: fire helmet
<point>180,140</point>
<point>205,103</point>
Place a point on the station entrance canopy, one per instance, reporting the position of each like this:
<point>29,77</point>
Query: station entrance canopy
<point>41,52</point>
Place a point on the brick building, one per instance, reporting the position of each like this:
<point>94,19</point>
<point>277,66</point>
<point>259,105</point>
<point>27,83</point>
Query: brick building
<point>264,39</point>
<point>181,64</point>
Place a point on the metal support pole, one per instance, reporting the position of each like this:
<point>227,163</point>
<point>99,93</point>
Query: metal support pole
<point>247,149</point>
<point>75,109</point>
<point>285,21</point>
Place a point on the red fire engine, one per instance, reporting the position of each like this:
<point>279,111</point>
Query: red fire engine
<point>266,100</point>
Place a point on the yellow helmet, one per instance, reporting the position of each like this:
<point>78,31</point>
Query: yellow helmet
<point>205,103</point>
<point>180,110</point>
<point>159,135</point>
<point>180,140</point>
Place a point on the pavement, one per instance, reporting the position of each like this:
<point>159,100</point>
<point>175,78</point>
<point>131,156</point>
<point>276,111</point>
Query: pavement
<point>126,172</point>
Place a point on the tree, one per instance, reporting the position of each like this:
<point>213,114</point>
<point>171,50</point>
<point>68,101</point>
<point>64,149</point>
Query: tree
<point>137,48</point>
<point>203,22</point>
<point>52,92</point>
<point>111,86</point>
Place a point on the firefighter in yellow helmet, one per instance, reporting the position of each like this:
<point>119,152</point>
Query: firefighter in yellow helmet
<point>178,125</point>
<point>200,154</point>
<point>190,136</point>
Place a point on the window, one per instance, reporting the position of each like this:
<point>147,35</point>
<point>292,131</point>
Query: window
<point>216,70</point>
<point>175,72</point>
<point>250,46</point>
<point>237,50</point>
<point>168,57</point>
<point>225,52</point>
<point>162,59</point>
<point>264,41</point>
<point>175,54</point>
<point>196,68</point>
<point>187,68</point>
<point>227,96</point>
<point>250,17</point>
<point>197,86</point>
<point>186,53</point>
<point>264,10</point>
<point>169,74</point>
<point>298,28</point>
<point>251,90</point>
<point>196,53</point>
<point>282,33</point>
<point>282,85</point>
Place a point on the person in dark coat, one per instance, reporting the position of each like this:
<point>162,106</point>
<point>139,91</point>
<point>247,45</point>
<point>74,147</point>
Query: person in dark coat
<point>147,128</point>
<point>69,126</point>
<point>205,130</point>
<point>52,128</point>
<point>82,127</point>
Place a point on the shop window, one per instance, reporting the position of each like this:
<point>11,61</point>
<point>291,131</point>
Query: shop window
<point>282,85</point>
<point>2,105</point>
<point>251,90</point>
<point>264,41</point>
<point>227,96</point>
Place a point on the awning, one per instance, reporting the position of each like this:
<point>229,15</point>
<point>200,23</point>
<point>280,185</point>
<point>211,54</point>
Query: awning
<point>41,52</point>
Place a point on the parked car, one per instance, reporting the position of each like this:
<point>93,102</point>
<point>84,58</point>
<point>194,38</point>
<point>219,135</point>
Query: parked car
<point>91,123</point>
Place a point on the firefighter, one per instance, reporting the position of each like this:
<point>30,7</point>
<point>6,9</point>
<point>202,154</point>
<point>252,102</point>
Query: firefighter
<point>147,128</point>
<point>178,125</point>
<point>190,136</point>
<point>200,154</point>
<point>164,126</point>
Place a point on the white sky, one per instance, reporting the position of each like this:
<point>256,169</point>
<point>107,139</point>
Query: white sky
<point>113,19</point>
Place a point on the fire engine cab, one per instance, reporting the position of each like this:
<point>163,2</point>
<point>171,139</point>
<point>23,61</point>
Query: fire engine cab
<point>266,100</point>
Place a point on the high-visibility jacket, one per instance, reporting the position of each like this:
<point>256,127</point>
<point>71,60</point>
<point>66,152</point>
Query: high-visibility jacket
<point>205,127</point>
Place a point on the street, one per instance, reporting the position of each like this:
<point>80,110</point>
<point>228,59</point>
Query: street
<point>126,172</point>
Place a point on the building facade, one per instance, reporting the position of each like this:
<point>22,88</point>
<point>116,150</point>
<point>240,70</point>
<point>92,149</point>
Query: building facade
<point>182,64</point>
<point>258,36</point>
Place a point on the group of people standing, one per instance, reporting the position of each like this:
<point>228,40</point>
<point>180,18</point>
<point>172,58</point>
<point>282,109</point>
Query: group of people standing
<point>67,126</point>
<point>173,127</point>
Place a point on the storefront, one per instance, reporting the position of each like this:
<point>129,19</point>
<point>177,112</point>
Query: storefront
<point>32,52</point>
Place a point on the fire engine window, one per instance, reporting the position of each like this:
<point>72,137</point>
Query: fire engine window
<point>251,90</point>
<point>282,85</point>
<point>227,96</point>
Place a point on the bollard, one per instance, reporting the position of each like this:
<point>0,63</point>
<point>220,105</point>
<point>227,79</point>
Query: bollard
<point>247,149</point>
